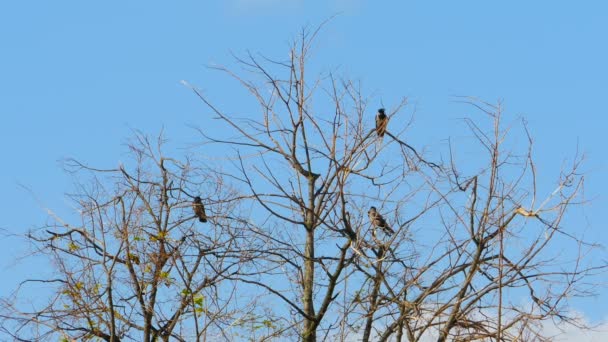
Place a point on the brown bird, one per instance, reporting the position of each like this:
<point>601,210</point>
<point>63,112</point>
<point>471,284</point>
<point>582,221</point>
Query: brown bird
<point>381,122</point>
<point>199,209</point>
<point>378,221</point>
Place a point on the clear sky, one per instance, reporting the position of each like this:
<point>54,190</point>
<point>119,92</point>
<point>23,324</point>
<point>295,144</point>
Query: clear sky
<point>76,77</point>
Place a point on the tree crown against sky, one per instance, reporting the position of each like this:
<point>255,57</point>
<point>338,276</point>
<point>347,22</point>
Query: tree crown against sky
<point>289,249</point>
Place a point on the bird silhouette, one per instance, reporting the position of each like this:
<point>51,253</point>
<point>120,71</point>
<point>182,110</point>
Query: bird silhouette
<point>378,221</point>
<point>381,122</point>
<point>199,209</point>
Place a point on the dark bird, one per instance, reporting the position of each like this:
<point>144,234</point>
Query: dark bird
<point>381,122</point>
<point>378,221</point>
<point>199,209</point>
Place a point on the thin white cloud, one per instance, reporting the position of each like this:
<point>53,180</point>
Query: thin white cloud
<point>248,5</point>
<point>348,6</point>
<point>549,329</point>
<point>328,6</point>
<point>574,334</point>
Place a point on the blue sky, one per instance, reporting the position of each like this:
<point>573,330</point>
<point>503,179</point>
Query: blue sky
<point>77,77</point>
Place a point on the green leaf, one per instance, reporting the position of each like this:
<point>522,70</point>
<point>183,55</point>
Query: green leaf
<point>72,247</point>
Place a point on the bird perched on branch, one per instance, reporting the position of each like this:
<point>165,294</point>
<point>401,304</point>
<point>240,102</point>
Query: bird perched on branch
<point>378,221</point>
<point>199,209</point>
<point>381,122</point>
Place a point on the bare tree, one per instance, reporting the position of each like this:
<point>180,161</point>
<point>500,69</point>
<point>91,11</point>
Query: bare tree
<point>139,265</point>
<point>496,268</point>
<point>302,177</point>
<point>293,248</point>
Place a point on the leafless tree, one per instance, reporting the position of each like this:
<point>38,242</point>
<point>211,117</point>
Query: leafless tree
<point>490,263</point>
<point>139,265</point>
<point>302,169</point>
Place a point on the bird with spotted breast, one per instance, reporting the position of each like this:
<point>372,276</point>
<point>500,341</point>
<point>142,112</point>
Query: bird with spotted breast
<point>379,222</point>
<point>199,209</point>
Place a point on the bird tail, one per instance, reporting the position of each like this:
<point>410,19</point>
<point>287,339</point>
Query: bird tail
<point>379,142</point>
